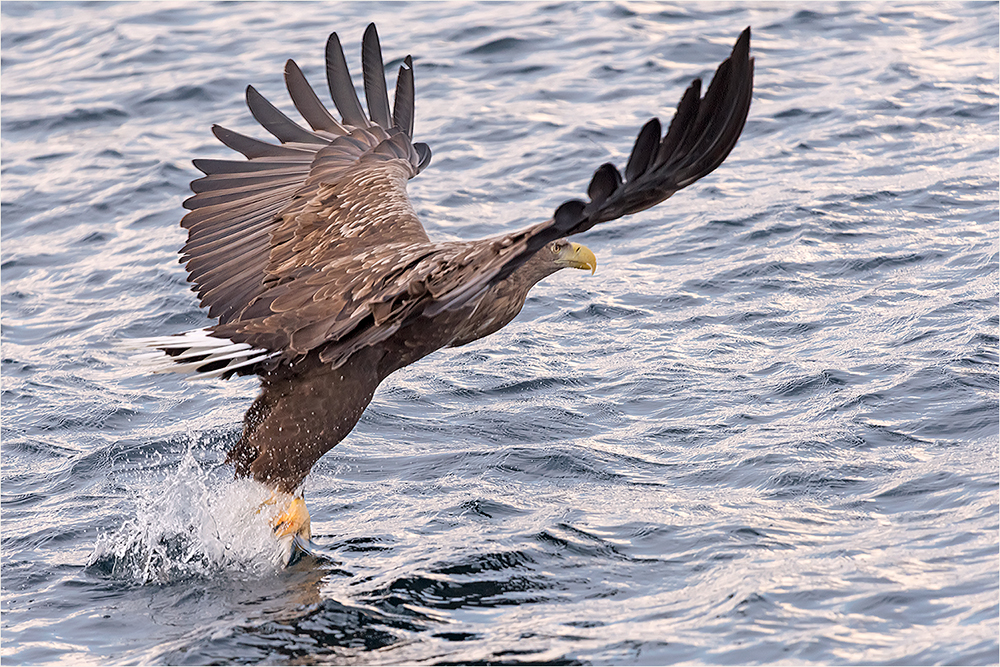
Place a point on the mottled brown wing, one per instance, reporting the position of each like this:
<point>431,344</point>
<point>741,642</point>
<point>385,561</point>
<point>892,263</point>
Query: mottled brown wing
<point>253,221</point>
<point>347,302</point>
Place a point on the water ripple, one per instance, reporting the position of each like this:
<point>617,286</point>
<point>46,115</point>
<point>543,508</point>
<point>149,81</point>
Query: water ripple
<point>766,429</point>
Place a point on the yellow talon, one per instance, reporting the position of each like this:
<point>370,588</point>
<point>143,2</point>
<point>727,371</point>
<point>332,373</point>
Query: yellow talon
<point>294,520</point>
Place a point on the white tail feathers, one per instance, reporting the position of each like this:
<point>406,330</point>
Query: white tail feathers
<point>192,351</point>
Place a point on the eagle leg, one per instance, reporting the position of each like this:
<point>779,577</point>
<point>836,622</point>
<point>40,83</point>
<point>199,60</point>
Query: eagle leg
<point>244,452</point>
<point>300,416</point>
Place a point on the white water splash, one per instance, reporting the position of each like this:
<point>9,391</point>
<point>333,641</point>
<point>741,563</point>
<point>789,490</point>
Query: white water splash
<point>192,524</point>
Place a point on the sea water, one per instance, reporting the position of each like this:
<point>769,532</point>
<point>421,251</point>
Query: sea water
<point>765,431</point>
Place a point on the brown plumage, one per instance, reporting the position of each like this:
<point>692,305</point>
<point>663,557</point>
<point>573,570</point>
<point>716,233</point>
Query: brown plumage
<point>323,280</point>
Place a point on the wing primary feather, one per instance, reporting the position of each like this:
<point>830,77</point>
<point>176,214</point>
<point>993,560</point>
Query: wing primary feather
<point>277,123</point>
<point>722,146</point>
<point>211,166</point>
<point>423,155</point>
<point>729,103</point>
<point>722,102</point>
<point>338,78</point>
<point>605,182</point>
<point>374,75</point>
<point>708,109</point>
<point>644,150</point>
<point>687,109</point>
<point>254,148</point>
<point>402,109</point>
<point>307,103</point>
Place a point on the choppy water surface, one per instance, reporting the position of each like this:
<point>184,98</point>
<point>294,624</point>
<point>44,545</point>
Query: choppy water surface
<point>766,430</point>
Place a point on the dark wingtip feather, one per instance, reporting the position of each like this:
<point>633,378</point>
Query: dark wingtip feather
<point>374,75</point>
<point>644,150</point>
<point>277,123</point>
<point>423,155</point>
<point>338,78</point>
<point>687,109</point>
<point>402,110</point>
<point>307,103</point>
<point>568,215</point>
<point>606,180</point>
<point>742,45</point>
<point>725,107</point>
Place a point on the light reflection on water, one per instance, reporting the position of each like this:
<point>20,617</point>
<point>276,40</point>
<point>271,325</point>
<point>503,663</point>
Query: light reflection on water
<point>765,430</point>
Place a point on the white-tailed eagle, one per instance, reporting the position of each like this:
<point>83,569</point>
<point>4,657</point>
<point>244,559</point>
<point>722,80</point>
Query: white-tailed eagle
<point>323,280</point>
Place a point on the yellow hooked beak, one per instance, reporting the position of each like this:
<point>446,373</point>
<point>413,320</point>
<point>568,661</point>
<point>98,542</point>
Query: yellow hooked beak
<point>577,256</point>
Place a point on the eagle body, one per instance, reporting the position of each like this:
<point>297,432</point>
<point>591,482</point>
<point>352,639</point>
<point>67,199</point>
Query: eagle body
<point>306,408</point>
<point>323,280</point>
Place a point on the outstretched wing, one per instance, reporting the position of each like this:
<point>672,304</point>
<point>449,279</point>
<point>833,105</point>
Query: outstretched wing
<point>323,192</point>
<point>701,135</point>
<point>347,302</point>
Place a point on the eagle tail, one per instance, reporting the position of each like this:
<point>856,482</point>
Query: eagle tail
<point>197,352</point>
